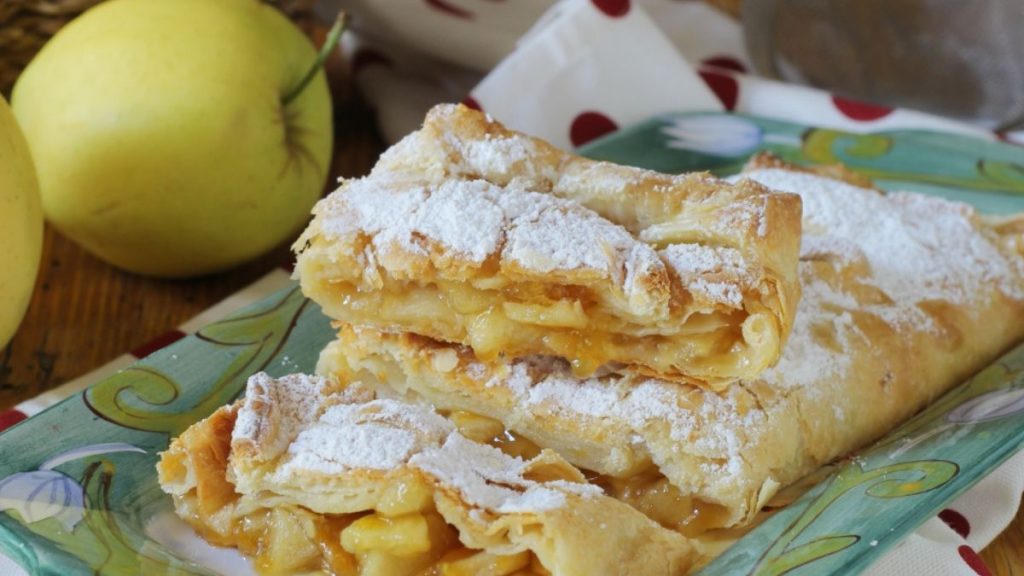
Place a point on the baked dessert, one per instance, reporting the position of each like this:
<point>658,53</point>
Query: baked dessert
<point>904,295</point>
<point>470,233</point>
<point>310,477</point>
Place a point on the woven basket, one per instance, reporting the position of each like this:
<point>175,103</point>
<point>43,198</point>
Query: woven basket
<point>25,25</point>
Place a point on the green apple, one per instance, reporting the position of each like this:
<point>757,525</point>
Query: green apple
<point>21,225</point>
<point>168,134</point>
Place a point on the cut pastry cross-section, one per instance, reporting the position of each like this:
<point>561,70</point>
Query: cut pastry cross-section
<point>904,296</point>
<point>469,233</point>
<point>307,477</point>
<point>721,455</point>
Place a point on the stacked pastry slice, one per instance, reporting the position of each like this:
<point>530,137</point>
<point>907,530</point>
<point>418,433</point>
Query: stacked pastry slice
<point>469,233</point>
<point>580,368</point>
<point>903,296</point>
<point>307,476</point>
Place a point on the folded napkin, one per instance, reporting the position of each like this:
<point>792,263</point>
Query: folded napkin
<point>555,69</point>
<point>574,71</point>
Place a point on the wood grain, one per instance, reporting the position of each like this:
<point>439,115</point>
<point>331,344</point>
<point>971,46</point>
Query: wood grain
<point>85,312</point>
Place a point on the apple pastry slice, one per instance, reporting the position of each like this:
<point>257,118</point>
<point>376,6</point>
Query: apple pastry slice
<point>307,477</point>
<point>469,233</point>
<point>904,296</point>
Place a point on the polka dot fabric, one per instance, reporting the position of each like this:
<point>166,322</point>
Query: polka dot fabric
<point>590,125</point>
<point>860,111</point>
<point>725,87</point>
<point>573,72</point>
<point>538,65</point>
<point>612,8</point>
<point>956,521</point>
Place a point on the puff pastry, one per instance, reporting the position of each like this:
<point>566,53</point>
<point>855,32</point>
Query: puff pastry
<point>308,477</point>
<point>470,233</point>
<point>904,295</point>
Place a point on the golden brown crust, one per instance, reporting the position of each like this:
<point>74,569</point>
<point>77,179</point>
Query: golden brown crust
<point>194,459</point>
<point>891,317</point>
<point>495,503</point>
<point>471,233</point>
<point>657,207</point>
<point>733,448</point>
<point>837,171</point>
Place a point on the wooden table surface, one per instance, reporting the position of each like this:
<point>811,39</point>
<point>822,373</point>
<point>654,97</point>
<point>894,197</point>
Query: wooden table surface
<point>85,312</point>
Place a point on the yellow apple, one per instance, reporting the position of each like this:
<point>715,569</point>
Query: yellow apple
<point>162,137</point>
<point>21,225</point>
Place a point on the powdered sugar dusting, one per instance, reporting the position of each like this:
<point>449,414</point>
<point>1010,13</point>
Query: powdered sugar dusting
<point>489,478</point>
<point>740,215</point>
<point>500,156</point>
<point>334,433</point>
<point>476,219</point>
<point>274,411</point>
<point>403,214</point>
<point>717,274</point>
<point>463,188</point>
<point>807,361</point>
<point>815,247</point>
<point>918,247</point>
<point>567,237</point>
<point>642,263</point>
<point>378,435</point>
<point>696,419</point>
<point>508,157</point>
<point>911,247</point>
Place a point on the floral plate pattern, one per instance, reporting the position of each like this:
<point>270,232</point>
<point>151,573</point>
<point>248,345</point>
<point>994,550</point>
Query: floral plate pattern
<point>78,490</point>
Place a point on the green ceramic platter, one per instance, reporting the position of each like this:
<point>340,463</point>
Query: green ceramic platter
<point>78,490</point>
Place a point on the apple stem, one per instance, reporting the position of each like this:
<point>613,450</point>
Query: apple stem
<point>329,45</point>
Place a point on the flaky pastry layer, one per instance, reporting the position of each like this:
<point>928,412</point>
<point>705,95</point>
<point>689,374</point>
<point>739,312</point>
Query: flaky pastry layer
<point>903,297</point>
<point>470,233</point>
<point>306,476</point>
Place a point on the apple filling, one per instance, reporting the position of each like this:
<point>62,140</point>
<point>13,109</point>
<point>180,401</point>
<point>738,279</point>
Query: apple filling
<point>488,431</point>
<point>518,319</point>
<point>651,493</point>
<point>648,491</point>
<point>403,536</point>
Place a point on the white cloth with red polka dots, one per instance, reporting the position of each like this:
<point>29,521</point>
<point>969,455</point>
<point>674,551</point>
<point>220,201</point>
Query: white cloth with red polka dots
<point>539,64</point>
<point>574,70</point>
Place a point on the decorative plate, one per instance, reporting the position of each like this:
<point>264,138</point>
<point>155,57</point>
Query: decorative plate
<point>78,489</point>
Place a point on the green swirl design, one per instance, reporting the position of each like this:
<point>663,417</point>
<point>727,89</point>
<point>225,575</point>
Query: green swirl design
<point>893,481</point>
<point>866,154</point>
<point>126,398</point>
<point>821,146</point>
<point>147,399</point>
<point>1005,173</point>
